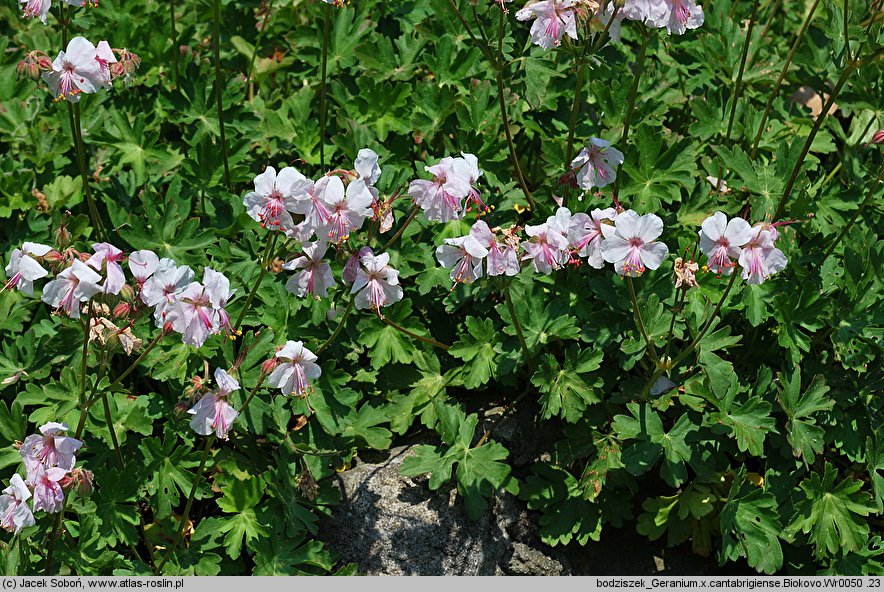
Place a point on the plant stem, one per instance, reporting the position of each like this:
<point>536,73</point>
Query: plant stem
<point>640,322</point>
<point>402,329</point>
<point>175,49</point>
<point>639,69</point>
<point>782,76</point>
<point>219,91</point>
<point>109,419</point>
<point>137,361</point>
<point>485,49</point>
<point>846,32</point>
<point>339,328</point>
<point>529,359</point>
<point>512,148</point>
<point>268,9</point>
<point>323,106</point>
<point>572,124</point>
<point>787,192</point>
<point>77,130</point>
<point>855,217</point>
<point>252,394</point>
<point>196,480</point>
<point>265,261</point>
<point>738,83</point>
<point>414,210</point>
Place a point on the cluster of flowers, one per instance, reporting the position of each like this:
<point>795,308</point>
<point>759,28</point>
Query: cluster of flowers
<point>81,68</point>
<point>49,459</point>
<point>290,370</point>
<point>625,239</point>
<point>554,19</point>
<point>40,8</point>
<point>195,310</point>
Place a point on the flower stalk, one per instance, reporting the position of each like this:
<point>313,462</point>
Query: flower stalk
<point>630,109</point>
<point>323,89</point>
<point>219,91</point>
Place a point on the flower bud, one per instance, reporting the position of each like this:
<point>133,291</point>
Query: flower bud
<point>268,366</point>
<point>878,138</point>
<point>53,256</point>
<point>27,68</point>
<point>128,293</point>
<point>63,237</point>
<point>79,480</point>
<point>168,328</point>
<point>122,310</point>
<point>84,257</point>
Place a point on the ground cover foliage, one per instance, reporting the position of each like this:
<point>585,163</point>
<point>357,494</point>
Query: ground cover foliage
<point>733,404</point>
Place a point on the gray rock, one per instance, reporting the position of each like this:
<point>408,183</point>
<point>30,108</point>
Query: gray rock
<point>393,525</point>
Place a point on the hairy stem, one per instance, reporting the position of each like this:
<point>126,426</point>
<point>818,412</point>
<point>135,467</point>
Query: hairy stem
<point>184,516</point>
<point>630,109</point>
<point>529,359</point>
<point>796,170</point>
<point>219,91</point>
<point>402,329</point>
<point>323,88</point>
<point>779,82</point>
<point>109,419</point>
<point>175,50</point>
<point>339,328</point>
<point>640,323</point>
<point>265,264</point>
<point>251,70</point>
<point>77,130</point>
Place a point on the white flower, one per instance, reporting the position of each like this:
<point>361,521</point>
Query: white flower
<point>78,283</point>
<point>585,234</point>
<point>314,275</point>
<point>213,412</point>
<point>347,210</point>
<point>554,19</point>
<point>162,289</point>
<point>297,367</point>
<point>721,240</point>
<point>630,243</point>
<point>23,270</point>
<point>596,164</point>
<point>464,256</point>
<point>111,257</point>
<point>14,511</point>
<point>760,258</point>
<point>75,71</point>
<point>143,264</point>
<point>275,196</point>
<point>548,250</point>
<point>377,283</point>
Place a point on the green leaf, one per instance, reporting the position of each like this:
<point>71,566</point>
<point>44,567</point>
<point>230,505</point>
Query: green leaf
<point>833,514</point>
<point>240,497</point>
<point>166,462</point>
<point>565,390</point>
<point>750,526</point>
<point>479,347</point>
<point>804,435</point>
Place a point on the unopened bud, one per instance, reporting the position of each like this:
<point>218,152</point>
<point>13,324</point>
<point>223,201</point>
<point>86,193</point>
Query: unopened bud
<point>79,480</point>
<point>53,256</point>
<point>122,310</point>
<point>168,328</point>
<point>84,257</point>
<point>878,138</point>
<point>268,366</point>
<point>27,68</point>
<point>128,293</point>
<point>63,237</point>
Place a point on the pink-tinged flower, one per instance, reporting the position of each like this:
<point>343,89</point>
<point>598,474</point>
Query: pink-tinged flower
<point>377,283</point>
<point>218,289</point>
<point>347,209</point>
<point>48,495</point>
<point>111,257</point>
<point>23,270</point>
<point>14,511</point>
<point>78,283</point>
<point>51,447</point>
<point>554,19</point>
<point>630,244</point>
<point>36,9</point>
<point>442,198</point>
<point>275,196</point>
<point>646,11</point>
<point>104,57</point>
<point>367,167</point>
<point>193,315</point>
<point>596,164</point>
<point>351,268</point>
<point>143,264</point>
<point>314,276</point>
<point>162,289</point>
<point>680,15</point>
<point>213,412</point>
<point>721,240</point>
<point>295,369</point>
<point>548,249</point>
<point>75,71</point>
<point>585,234</point>
<point>464,256</point>
<point>502,257</point>
<point>760,258</point>
<point>474,198</point>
